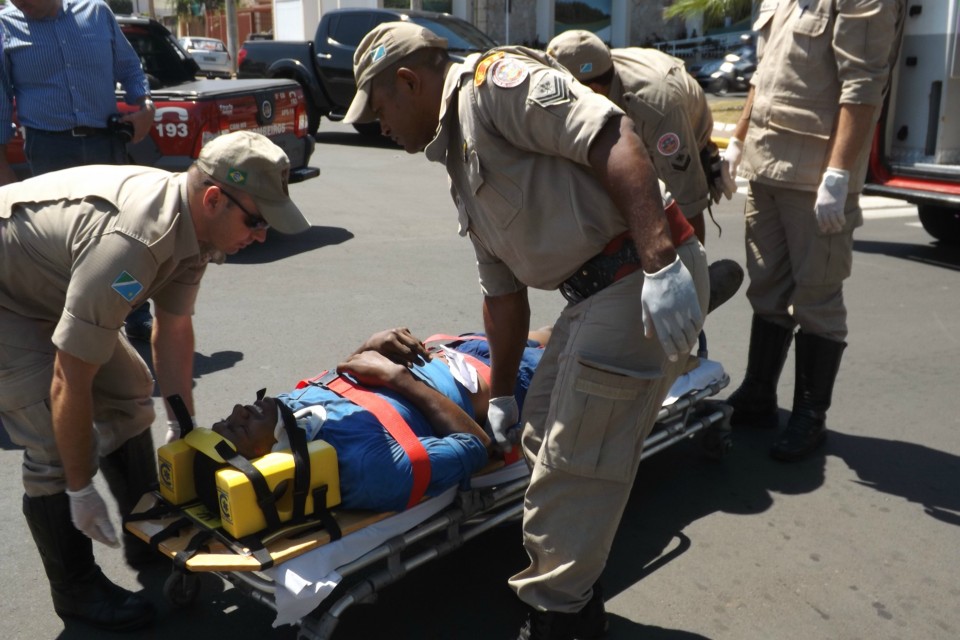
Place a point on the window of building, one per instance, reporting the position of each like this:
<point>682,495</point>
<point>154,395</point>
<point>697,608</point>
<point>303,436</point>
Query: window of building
<point>592,15</point>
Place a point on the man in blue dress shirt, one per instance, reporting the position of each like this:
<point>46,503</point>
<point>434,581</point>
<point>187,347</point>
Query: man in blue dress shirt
<point>61,61</point>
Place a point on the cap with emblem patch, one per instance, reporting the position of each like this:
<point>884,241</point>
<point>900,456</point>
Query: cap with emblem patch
<point>252,163</point>
<point>583,53</point>
<point>385,45</point>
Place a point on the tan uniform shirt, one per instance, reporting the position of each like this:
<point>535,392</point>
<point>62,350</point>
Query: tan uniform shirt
<point>815,55</point>
<point>515,134</point>
<point>80,248</point>
<point>672,118</point>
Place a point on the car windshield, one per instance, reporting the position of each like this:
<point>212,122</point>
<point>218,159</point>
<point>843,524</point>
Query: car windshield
<point>460,35</point>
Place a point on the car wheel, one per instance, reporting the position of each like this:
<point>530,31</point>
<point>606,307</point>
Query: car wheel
<point>943,223</point>
<point>720,86</point>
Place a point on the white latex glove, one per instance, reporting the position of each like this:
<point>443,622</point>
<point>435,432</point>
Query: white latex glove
<point>89,514</point>
<point>831,198</point>
<point>731,162</point>
<point>503,417</point>
<point>671,309</point>
<point>173,430</point>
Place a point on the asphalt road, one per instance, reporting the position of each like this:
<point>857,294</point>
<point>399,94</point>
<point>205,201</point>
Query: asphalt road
<point>859,542</point>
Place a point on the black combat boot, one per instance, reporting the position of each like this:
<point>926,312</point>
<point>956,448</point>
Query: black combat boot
<point>726,276</point>
<point>79,588</point>
<point>130,472</point>
<point>755,401</point>
<point>817,363</point>
<point>590,623</point>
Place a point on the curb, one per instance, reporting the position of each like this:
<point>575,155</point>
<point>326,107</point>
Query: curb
<point>721,133</point>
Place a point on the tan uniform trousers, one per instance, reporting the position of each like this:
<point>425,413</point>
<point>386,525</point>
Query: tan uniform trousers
<point>593,400</point>
<point>796,272</point>
<point>122,391</point>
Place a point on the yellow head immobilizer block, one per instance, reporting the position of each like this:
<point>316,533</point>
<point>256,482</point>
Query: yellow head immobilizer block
<point>239,513</point>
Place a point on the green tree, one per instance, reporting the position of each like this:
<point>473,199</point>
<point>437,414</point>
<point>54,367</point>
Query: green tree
<point>713,10</point>
<point>192,8</point>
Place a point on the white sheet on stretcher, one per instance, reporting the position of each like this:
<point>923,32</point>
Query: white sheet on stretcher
<point>304,582</point>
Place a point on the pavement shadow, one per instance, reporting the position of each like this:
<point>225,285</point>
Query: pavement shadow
<point>350,138</point>
<point>279,246</point>
<point>673,489</point>
<point>216,611</point>
<point>681,485</point>
<point>202,364</point>
<point>5,442</point>
<point>936,254</point>
<point>922,475</point>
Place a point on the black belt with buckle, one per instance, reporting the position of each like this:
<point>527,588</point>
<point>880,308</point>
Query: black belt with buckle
<point>76,132</point>
<point>617,260</point>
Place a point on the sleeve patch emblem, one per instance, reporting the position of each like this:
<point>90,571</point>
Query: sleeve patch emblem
<point>480,76</point>
<point>508,72</point>
<point>550,91</point>
<point>668,144</point>
<point>127,286</point>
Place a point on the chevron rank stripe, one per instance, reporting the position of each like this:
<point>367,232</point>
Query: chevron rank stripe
<point>550,91</point>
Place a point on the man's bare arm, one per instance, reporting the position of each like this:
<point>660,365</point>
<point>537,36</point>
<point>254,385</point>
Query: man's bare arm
<point>622,165</point>
<point>445,416</point>
<point>506,321</point>
<point>173,343</point>
<point>71,405</point>
<point>854,124</point>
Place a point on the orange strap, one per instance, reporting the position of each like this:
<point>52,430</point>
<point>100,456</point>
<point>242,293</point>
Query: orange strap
<point>680,229</point>
<point>392,421</point>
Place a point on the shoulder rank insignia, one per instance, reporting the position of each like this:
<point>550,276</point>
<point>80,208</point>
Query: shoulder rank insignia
<point>550,91</point>
<point>508,72</point>
<point>481,73</point>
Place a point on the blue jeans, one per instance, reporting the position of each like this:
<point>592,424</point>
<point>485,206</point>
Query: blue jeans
<point>48,151</point>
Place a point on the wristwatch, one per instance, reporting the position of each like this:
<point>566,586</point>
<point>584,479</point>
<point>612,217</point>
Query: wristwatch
<point>148,104</point>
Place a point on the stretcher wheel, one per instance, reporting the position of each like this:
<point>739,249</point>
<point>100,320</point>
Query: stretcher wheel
<point>181,589</point>
<point>716,440</point>
<point>716,443</point>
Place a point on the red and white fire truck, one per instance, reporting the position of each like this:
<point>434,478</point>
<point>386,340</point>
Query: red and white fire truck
<point>916,154</point>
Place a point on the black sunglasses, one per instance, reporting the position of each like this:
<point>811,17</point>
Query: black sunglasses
<point>252,220</point>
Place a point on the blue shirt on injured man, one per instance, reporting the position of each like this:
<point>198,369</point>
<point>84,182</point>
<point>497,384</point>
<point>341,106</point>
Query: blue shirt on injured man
<point>375,472</point>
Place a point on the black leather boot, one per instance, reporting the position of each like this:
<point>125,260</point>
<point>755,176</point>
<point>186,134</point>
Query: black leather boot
<point>130,472</point>
<point>817,361</point>
<point>726,276</point>
<point>755,400</point>
<point>590,623</point>
<point>79,588</point>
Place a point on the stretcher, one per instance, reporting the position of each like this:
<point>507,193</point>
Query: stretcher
<point>309,580</point>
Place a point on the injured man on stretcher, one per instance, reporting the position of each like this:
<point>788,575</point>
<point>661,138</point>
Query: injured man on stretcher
<point>442,395</point>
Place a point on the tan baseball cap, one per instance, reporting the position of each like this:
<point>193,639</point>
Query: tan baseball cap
<point>250,162</point>
<point>583,53</point>
<point>386,44</point>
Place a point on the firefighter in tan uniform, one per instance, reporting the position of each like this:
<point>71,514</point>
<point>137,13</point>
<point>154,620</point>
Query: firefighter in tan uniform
<point>78,249</point>
<point>666,104</point>
<point>556,191</point>
<point>806,131</point>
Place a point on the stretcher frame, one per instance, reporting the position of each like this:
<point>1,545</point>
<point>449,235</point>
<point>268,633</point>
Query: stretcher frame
<point>471,513</point>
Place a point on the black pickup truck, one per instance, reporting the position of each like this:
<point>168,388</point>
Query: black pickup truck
<point>324,66</point>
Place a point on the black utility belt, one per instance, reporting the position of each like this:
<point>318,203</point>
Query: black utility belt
<point>617,260</point>
<point>76,132</point>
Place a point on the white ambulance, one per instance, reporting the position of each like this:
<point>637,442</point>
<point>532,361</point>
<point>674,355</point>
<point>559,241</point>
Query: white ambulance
<point>916,154</point>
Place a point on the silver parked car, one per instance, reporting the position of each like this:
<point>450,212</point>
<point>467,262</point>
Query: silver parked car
<point>211,56</point>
